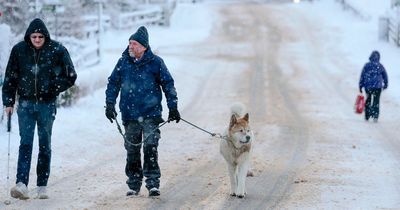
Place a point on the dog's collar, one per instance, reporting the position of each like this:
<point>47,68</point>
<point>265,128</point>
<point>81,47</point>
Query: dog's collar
<point>228,139</point>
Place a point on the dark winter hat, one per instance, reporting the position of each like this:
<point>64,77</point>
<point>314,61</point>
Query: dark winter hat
<point>141,36</point>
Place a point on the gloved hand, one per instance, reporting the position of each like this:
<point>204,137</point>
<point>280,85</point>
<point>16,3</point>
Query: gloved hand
<point>360,90</point>
<point>111,114</point>
<point>174,115</point>
<point>385,86</point>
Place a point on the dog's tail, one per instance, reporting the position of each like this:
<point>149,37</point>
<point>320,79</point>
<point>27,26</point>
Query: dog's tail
<point>238,109</point>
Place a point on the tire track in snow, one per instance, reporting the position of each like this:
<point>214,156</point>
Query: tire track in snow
<point>272,100</point>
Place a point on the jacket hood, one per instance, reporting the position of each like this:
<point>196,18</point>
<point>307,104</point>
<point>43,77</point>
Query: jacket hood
<point>36,26</point>
<point>375,56</point>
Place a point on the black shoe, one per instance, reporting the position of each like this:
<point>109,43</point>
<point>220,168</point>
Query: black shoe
<point>132,192</point>
<point>154,192</point>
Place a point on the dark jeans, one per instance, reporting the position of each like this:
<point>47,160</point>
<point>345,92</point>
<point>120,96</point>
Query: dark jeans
<point>372,103</point>
<point>135,132</point>
<point>31,114</point>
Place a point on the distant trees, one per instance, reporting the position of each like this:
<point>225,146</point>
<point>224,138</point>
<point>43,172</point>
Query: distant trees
<point>75,23</point>
<point>64,17</point>
<point>15,13</point>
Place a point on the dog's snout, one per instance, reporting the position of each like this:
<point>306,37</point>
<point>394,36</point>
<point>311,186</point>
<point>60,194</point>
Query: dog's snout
<point>248,138</point>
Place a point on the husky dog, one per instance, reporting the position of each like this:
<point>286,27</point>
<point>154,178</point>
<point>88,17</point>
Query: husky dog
<point>236,148</point>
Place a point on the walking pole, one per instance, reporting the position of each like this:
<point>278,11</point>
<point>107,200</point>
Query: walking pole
<point>8,202</point>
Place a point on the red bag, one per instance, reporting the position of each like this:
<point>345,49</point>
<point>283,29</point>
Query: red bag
<point>360,104</point>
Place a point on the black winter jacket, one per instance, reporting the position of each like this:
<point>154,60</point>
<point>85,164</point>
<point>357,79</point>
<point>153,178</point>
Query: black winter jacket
<point>55,72</point>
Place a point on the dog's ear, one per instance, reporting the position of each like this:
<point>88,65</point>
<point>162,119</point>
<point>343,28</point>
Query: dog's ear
<point>246,117</point>
<point>233,121</point>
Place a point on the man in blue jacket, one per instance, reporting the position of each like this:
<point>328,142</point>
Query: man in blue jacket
<point>140,77</point>
<point>373,79</point>
<point>38,69</point>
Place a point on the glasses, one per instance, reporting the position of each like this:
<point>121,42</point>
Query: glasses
<point>34,37</point>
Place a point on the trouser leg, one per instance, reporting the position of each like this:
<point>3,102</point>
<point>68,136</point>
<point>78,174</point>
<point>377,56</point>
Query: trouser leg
<point>368,108</point>
<point>46,116</point>
<point>133,167</point>
<point>26,122</point>
<point>376,94</point>
<point>151,168</point>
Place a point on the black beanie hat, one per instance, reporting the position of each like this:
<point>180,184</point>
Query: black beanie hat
<point>141,36</point>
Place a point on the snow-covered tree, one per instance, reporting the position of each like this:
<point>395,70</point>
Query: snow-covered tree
<point>16,14</point>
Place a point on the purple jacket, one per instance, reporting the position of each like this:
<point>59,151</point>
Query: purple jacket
<point>373,75</point>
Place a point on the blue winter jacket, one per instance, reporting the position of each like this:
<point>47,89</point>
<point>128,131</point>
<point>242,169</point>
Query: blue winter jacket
<point>373,75</point>
<point>140,83</point>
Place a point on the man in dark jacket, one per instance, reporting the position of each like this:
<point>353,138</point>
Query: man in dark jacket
<point>139,77</point>
<point>373,78</point>
<point>38,69</point>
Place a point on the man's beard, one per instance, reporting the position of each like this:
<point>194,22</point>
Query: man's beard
<point>131,53</point>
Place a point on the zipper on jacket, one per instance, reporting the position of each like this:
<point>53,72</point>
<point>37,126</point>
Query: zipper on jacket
<point>36,92</point>
<point>36,68</point>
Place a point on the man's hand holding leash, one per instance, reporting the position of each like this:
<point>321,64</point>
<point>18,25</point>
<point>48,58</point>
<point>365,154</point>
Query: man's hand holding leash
<point>174,115</point>
<point>111,114</point>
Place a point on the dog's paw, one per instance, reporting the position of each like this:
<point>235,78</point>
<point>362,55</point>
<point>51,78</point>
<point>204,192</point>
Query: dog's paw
<point>240,196</point>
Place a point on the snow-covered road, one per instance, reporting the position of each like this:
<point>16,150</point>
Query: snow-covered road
<point>311,150</point>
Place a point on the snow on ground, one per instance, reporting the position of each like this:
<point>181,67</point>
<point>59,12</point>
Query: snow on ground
<point>82,134</point>
<point>83,127</point>
<point>367,167</point>
<point>355,39</point>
